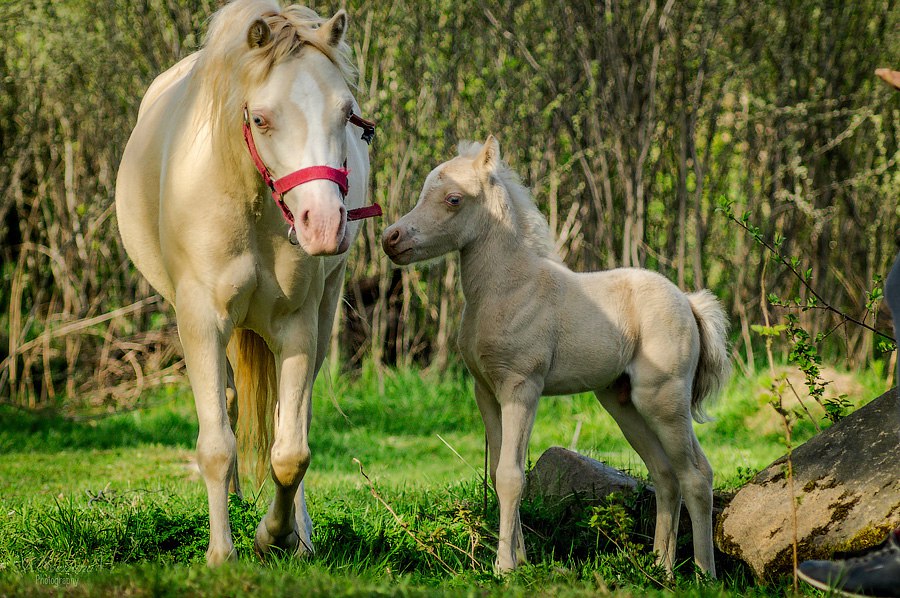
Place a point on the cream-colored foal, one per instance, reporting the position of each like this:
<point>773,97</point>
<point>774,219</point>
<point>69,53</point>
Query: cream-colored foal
<point>532,327</point>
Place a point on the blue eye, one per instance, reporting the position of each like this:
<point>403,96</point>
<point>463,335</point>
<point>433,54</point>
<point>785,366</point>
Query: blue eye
<point>259,121</point>
<point>453,199</point>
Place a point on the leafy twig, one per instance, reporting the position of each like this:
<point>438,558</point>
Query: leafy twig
<point>429,549</point>
<point>793,266</point>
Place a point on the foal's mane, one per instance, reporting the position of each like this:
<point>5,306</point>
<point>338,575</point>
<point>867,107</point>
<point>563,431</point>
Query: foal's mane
<point>228,67</point>
<point>529,222</point>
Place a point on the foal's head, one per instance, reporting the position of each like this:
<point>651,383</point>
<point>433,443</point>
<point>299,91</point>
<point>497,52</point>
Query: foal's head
<point>455,206</point>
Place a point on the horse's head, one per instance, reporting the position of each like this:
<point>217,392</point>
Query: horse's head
<point>454,207</point>
<point>298,118</point>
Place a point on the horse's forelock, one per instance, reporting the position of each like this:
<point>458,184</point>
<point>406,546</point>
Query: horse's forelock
<point>469,149</point>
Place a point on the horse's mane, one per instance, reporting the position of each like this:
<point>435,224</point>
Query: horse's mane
<point>227,66</point>
<point>530,222</point>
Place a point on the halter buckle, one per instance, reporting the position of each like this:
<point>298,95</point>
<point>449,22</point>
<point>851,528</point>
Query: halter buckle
<point>292,235</point>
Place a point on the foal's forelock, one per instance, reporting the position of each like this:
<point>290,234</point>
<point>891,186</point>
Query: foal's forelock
<point>531,226</point>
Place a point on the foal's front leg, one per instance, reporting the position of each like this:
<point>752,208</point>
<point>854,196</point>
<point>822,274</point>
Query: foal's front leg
<point>518,398</point>
<point>282,526</point>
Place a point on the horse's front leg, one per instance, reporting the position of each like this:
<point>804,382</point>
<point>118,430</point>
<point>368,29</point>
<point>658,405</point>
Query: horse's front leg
<point>286,525</point>
<point>518,398</point>
<point>203,333</point>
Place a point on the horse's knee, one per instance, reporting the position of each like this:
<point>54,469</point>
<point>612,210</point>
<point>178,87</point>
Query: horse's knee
<point>216,452</point>
<point>289,463</point>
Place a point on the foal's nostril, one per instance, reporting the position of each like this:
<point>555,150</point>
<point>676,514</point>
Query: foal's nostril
<point>304,218</point>
<point>394,237</point>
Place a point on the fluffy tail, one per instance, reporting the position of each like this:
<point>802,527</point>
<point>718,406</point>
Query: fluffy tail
<point>254,373</point>
<point>714,367</point>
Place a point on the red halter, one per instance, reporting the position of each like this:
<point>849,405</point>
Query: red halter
<point>312,173</point>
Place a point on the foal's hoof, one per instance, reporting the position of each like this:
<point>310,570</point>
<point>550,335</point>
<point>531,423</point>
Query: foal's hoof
<point>289,542</point>
<point>504,566</point>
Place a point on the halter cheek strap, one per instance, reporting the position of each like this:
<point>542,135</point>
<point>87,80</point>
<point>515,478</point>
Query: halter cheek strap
<point>339,176</point>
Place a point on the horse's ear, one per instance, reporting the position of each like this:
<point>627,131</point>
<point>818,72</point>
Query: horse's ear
<point>259,34</point>
<point>332,31</point>
<point>489,156</point>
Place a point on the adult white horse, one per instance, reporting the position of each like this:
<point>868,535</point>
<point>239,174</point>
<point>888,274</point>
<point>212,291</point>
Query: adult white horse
<point>264,107</point>
<point>532,327</point>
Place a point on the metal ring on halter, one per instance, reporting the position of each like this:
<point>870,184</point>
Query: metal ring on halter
<point>292,235</point>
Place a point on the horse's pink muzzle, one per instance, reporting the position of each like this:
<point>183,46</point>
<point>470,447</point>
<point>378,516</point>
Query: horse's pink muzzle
<point>321,222</point>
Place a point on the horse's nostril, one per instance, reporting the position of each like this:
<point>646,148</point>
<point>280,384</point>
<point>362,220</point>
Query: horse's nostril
<point>394,238</point>
<point>304,218</point>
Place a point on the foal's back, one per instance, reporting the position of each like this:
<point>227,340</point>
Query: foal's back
<point>607,319</point>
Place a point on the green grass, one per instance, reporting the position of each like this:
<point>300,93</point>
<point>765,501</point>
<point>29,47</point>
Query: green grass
<point>114,505</point>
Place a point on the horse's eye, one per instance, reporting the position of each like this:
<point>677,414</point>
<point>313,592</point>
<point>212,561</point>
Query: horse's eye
<point>453,199</point>
<point>259,121</point>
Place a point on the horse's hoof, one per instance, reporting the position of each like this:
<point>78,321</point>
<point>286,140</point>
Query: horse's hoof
<point>216,557</point>
<point>290,542</point>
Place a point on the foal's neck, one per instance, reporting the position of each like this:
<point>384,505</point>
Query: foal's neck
<point>497,260</point>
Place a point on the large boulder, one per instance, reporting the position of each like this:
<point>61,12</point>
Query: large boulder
<point>846,484</point>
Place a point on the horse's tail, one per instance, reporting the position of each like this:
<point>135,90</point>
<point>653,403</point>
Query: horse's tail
<point>255,380</point>
<point>714,366</point>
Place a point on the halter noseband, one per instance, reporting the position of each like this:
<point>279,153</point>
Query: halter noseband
<point>279,187</point>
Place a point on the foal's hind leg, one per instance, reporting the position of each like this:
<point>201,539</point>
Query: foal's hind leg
<point>665,406</point>
<point>665,483</point>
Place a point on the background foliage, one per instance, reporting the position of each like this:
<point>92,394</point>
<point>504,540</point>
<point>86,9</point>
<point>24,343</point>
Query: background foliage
<point>628,119</point>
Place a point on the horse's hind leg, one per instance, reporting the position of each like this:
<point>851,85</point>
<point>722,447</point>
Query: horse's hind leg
<point>231,405</point>
<point>665,406</point>
<point>665,482</point>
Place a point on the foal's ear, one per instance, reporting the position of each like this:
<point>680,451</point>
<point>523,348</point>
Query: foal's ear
<point>489,156</point>
<point>332,31</point>
<point>259,34</point>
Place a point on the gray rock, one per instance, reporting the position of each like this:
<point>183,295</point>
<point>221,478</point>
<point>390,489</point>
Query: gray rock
<point>846,481</point>
<point>561,474</point>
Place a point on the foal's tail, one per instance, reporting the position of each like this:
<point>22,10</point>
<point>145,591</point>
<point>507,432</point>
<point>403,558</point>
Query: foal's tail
<point>714,367</point>
<point>254,373</point>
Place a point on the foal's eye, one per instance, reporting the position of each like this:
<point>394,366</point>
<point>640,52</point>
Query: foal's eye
<point>453,199</point>
<point>259,121</point>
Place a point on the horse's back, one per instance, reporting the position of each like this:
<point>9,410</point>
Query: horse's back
<point>140,176</point>
<point>165,80</point>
